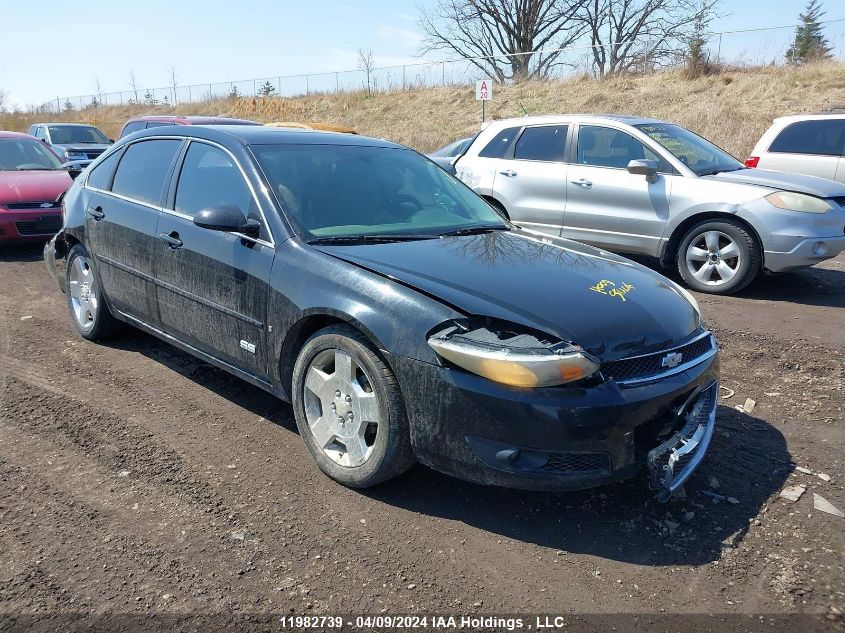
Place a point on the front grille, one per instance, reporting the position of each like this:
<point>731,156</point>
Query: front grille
<point>93,153</point>
<point>581,463</point>
<point>22,206</point>
<point>41,226</point>
<point>651,364</point>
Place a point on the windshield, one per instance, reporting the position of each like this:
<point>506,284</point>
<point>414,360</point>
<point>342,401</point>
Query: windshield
<point>348,190</point>
<point>452,149</point>
<point>699,154</point>
<point>71,134</point>
<point>22,154</point>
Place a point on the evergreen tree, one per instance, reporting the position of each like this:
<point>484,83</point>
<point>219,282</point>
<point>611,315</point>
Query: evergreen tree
<point>234,93</point>
<point>68,106</point>
<point>266,89</point>
<point>810,44</point>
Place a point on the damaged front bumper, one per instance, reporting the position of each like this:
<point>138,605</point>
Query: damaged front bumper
<point>672,463</point>
<point>562,438</point>
<point>55,252</point>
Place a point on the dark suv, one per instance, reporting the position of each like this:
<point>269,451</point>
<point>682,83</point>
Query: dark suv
<point>146,122</point>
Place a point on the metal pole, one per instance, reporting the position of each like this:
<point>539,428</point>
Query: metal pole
<point>336,83</point>
<point>307,91</point>
<point>190,99</point>
<point>403,78</point>
<point>719,53</point>
<point>58,105</point>
<point>443,74</point>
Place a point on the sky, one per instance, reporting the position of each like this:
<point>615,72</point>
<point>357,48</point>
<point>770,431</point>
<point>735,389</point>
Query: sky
<point>64,48</point>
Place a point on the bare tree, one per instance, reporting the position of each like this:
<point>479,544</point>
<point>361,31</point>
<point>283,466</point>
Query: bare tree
<point>367,63</point>
<point>99,90</point>
<point>2,101</point>
<point>630,34</point>
<point>133,84</point>
<point>498,36</point>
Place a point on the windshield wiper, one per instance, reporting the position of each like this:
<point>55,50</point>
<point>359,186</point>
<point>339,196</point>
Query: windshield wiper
<point>475,230</point>
<point>357,239</point>
<point>721,171</point>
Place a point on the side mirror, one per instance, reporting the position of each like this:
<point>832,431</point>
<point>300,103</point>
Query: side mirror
<point>227,218</point>
<point>111,140</point>
<point>73,169</point>
<point>647,168</point>
<point>44,140</point>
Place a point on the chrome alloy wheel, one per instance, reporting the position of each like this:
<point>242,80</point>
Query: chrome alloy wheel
<point>341,408</point>
<point>82,288</point>
<point>713,258</point>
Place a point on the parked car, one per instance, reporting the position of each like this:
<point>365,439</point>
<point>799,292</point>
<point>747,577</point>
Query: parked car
<point>403,317</point>
<point>812,144</point>
<point>76,143</point>
<point>314,125</point>
<point>636,185</point>
<point>444,157</point>
<point>146,122</point>
<point>31,180</point>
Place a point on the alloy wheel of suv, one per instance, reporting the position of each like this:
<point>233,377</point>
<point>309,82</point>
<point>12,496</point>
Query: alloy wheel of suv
<point>718,256</point>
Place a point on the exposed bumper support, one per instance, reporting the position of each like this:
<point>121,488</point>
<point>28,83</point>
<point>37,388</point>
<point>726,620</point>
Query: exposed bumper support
<point>672,463</point>
<point>54,256</point>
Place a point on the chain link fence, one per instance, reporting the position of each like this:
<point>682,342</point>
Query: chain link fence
<point>741,48</point>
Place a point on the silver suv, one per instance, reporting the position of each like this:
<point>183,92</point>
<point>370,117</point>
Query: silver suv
<point>636,185</point>
<point>812,144</point>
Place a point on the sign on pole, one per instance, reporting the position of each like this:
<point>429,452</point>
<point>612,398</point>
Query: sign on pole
<point>484,90</point>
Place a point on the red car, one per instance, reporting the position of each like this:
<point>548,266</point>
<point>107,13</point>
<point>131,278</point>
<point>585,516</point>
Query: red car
<point>31,179</point>
<point>146,122</point>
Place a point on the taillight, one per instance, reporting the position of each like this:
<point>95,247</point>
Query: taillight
<point>752,161</point>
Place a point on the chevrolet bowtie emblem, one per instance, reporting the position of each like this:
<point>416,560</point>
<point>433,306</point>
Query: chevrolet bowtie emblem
<point>672,360</point>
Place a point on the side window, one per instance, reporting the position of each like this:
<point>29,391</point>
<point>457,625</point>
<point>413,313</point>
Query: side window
<point>209,177</point>
<point>101,176</point>
<point>820,137</point>
<point>499,145</point>
<point>39,133</point>
<point>546,143</point>
<point>606,147</point>
<point>144,168</point>
<point>129,128</point>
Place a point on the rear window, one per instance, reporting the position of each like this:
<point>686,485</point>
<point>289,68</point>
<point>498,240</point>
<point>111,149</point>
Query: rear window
<point>499,145</point>
<point>546,143</point>
<point>144,168</point>
<point>819,137</point>
<point>130,128</point>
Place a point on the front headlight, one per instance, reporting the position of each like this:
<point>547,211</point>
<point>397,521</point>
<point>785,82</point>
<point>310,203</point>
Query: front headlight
<point>69,155</point>
<point>519,360</point>
<point>791,201</point>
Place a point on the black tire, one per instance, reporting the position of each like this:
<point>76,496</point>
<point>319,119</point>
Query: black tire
<point>102,325</point>
<point>747,265</point>
<point>391,452</point>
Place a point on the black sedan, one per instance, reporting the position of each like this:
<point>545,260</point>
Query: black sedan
<point>404,318</point>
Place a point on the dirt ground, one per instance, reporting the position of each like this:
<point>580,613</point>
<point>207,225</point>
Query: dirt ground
<point>136,479</point>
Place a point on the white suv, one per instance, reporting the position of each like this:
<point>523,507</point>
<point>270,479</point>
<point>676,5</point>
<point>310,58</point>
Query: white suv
<point>637,185</point>
<point>812,144</point>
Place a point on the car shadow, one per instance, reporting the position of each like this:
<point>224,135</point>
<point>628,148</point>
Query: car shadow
<point>814,286</point>
<point>30,252</point>
<point>748,461</point>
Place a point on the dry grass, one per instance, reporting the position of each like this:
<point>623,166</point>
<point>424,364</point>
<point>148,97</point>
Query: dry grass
<point>732,108</point>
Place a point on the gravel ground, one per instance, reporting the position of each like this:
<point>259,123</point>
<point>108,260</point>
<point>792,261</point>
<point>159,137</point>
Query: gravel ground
<point>136,479</point>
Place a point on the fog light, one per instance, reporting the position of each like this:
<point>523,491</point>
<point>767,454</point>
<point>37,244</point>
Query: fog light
<point>819,249</point>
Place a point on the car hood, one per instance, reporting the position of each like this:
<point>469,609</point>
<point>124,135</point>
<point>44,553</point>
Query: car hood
<point>799,183</point>
<point>33,186</point>
<point>548,284</point>
<point>83,147</point>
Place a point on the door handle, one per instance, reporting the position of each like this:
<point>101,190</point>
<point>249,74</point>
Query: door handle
<point>171,239</point>
<point>510,173</point>
<point>582,182</point>
<point>96,213</point>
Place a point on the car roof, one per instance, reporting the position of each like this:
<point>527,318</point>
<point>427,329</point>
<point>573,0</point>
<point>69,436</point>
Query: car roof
<point>193,119</point>
<point>10,134</point>
<point>66,123</point>
<point>567,118</point>
<point>812,115</point>
<point>261,135</point>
